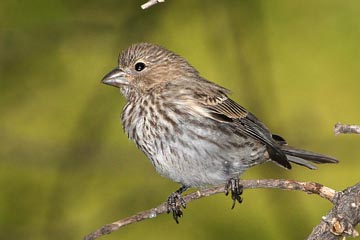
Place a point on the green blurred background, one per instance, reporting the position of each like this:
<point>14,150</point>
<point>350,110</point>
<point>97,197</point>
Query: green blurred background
<point>67,168</point>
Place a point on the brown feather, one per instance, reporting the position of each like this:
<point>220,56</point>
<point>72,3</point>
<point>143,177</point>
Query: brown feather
<point>222,108</point>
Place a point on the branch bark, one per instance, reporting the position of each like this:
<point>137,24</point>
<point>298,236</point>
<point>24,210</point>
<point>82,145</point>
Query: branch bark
<point>346,128</point>
<point>343,217</point>
<point>151,3</point>
<point>307,187</point>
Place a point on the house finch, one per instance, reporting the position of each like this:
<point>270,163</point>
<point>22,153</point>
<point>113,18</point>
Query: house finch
<point>188,127</point>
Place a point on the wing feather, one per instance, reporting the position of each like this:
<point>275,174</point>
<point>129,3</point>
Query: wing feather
<point>224,109</point>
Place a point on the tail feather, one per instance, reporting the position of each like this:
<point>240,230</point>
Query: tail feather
<point>303,157</point>
<point>301,162</point>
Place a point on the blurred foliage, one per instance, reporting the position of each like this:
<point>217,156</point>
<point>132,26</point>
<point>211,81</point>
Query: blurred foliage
<point>66,168</point>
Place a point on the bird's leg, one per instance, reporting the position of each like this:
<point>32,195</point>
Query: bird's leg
<point>233,185</point>
<point>175,202</point>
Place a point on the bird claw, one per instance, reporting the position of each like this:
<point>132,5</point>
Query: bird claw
<point>236,189</point>
<point>174,203</point>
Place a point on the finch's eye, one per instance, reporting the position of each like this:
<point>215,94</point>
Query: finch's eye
<point>139,66</point>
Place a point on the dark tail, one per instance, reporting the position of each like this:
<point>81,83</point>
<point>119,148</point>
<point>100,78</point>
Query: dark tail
<point>303,157</point>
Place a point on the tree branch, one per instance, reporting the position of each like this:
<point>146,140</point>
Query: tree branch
<point>346,128</point>
<point>342,219</point>
<point>308,187</point>
<point>151,3</point>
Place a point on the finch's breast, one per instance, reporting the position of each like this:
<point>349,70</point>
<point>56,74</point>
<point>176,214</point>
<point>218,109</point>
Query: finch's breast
<point>190,149</point>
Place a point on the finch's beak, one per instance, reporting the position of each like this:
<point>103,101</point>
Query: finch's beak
<point>116,78</point>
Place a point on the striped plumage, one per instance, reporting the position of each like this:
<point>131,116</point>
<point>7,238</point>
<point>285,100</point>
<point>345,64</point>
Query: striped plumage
<point>187,126</point>
<point>182,144</point>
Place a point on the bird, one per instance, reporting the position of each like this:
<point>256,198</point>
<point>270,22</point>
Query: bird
<point>190,129</point>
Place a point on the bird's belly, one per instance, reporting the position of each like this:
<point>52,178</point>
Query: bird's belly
<point>198,156</point>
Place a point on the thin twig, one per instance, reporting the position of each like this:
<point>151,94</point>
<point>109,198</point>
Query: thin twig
<point>308,187</point>
<point>151,3</point>
<point>346,128</point>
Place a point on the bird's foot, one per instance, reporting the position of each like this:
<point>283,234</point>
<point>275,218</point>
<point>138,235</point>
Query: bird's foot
<point>233,185</point>
<point>175,202</point>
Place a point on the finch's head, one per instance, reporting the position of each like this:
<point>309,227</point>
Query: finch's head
<point>145,66</point>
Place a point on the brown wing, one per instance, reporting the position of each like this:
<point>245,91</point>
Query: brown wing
<point>224,109</point>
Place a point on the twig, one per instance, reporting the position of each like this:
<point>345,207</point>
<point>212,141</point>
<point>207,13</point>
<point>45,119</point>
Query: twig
<point>308,187</point>
<point>151,3</point>
<point>346,128</point>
